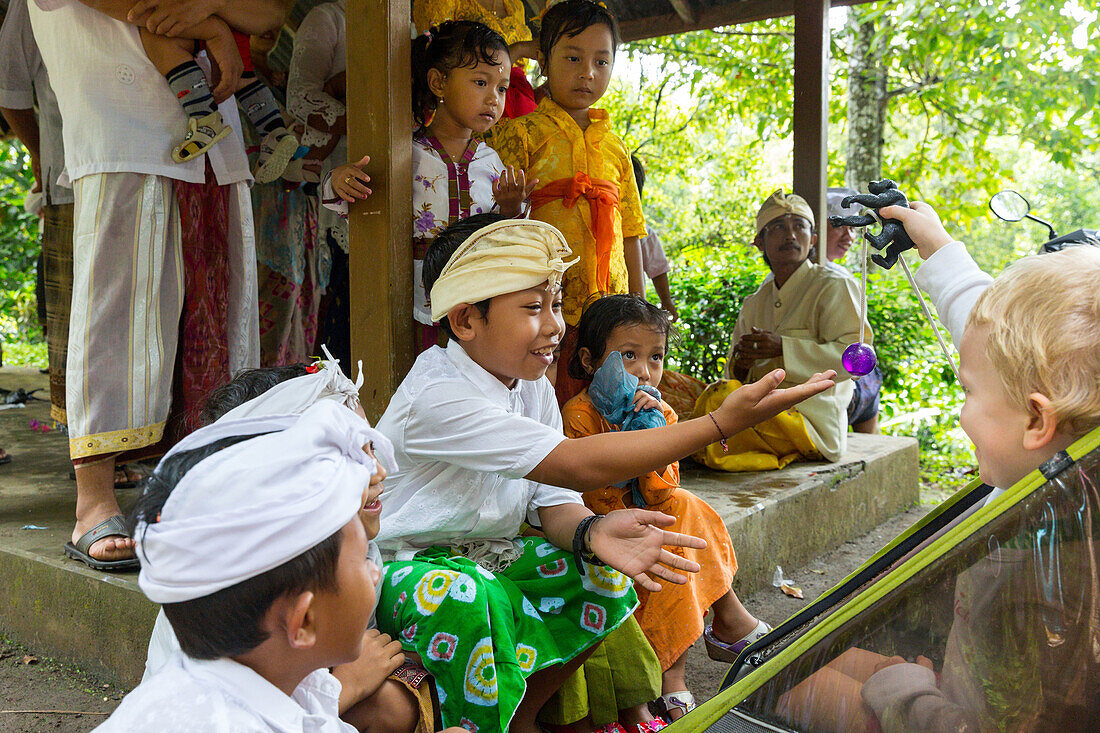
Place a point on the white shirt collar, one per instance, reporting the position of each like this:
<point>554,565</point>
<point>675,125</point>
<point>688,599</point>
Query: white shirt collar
<point>493,388</point>
<point>259,696</point>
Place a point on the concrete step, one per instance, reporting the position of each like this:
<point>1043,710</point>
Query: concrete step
<point>791,516</point>
<point>102,622</point>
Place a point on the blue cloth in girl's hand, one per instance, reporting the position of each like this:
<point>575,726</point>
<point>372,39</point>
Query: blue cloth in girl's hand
<point>612,392</point>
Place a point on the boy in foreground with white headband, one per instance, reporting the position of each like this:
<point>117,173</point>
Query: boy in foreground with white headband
<point>378,685</point>
<point>478,440</point>
<point>261,601</point>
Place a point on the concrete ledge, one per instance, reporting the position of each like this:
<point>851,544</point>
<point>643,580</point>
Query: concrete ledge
<point>102,622</point>
<point>791,516</point>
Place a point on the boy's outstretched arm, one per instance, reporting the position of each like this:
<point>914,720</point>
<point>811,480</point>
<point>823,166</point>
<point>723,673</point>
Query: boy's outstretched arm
<point>629,540</point>
<point>600,460</point>
<point>949,275</point>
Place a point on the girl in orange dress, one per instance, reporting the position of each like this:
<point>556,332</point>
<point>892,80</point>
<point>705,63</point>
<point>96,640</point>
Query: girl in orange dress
<point>622,341</point>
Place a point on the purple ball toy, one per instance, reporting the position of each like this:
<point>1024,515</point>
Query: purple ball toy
<point>859,359</point>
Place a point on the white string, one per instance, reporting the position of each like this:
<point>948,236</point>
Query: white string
<point>928,315</point>
<point>863,302</point>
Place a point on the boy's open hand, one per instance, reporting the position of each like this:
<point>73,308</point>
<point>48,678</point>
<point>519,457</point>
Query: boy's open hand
<point>631,541</point>
<point>511,190</point>
<point>756,402</point>
<point>349,182</point>
<point>922,224</point>
<point>380,658</point>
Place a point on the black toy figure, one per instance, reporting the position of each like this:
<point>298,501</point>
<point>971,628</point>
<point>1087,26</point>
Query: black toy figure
<point>892,237</point>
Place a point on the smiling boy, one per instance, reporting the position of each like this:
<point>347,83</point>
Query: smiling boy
<point>478,441</point>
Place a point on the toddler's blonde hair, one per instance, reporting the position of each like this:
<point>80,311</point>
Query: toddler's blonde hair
<point>1043,318</point>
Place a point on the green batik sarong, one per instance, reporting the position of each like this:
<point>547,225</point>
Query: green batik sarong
<point>481,634</point>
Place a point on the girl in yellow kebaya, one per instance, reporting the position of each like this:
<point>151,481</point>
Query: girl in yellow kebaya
<point>587,188</point>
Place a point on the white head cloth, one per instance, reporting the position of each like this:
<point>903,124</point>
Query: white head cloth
<point>253,506</point>
<point>504,257</point>
<point>834,196</point>
<point>293,396</point>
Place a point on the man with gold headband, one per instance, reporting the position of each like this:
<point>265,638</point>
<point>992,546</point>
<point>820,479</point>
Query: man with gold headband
<point>800,319</point>
<point>479,446</point>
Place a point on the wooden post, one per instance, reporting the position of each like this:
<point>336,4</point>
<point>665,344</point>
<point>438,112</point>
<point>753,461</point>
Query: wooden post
<point>811,108</point>
<point>380,266</point>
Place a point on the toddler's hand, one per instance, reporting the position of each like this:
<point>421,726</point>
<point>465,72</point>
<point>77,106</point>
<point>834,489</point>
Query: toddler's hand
<point>380,658</point>
<point>756,402</point>
<point>922,224</point>
<point>644,401</point>
<point>511,190</point>
<point>349,182</point>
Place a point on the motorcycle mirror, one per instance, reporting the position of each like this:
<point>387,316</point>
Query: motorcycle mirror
<point>1009,205</point>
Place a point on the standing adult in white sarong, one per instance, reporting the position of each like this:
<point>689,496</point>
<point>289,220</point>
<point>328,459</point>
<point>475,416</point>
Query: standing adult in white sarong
<point>164,291</point>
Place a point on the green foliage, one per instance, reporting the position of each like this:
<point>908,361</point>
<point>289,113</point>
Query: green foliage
<point>18,249</point>
<point>709,290</point>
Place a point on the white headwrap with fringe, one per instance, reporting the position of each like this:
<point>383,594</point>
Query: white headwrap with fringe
<point>253,506</point>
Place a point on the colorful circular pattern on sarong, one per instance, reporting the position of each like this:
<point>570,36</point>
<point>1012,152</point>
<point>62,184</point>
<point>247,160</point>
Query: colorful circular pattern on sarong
<point>593,617</point>
<point>554,569</point>
<point>432,589</point>
<point>526,657</point>
<point>551,604</point>
<point>605,581</point>
<point>463,589</point>
<point>481,674</point>
<point>442,647</point>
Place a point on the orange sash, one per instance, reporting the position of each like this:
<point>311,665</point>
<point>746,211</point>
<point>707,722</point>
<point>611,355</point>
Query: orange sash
<point>603,202</point>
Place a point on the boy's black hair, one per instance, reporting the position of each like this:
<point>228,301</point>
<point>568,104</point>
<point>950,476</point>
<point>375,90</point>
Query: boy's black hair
<point>604,316</point>
<point>440,251</point>
<point>450,45</point>
<point>246,384</point>
<point>639,172</point>
<point>227,623</point>
<point>573,17</point>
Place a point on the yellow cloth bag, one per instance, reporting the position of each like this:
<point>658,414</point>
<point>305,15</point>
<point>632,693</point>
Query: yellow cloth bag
<point>772,444</point>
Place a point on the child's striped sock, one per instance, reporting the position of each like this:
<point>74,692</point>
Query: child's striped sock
<point>258,103</point>
<point>191,89</point>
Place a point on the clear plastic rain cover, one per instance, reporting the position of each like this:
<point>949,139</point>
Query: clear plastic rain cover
<point>992,625</point>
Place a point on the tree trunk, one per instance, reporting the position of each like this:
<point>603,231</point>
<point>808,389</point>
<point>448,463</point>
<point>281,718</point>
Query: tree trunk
<point>866,100</point>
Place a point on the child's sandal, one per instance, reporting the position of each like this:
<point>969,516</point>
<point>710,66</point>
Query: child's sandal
<point>682,701</point>
<point>276,152</point>
<point>202,133</point>
<point>651,725</point>
<point>721,651</point>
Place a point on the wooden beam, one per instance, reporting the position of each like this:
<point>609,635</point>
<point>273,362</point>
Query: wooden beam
<point>811,108</point>
<point>683,10</point>
<point>380,265</point>
<point>714,16</point>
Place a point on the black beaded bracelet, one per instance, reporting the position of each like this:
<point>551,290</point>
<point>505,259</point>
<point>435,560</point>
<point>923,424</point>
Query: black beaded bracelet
<point>580,554</point>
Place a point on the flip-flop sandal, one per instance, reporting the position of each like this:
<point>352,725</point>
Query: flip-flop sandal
<point>112,527</point>
<point>721,651</point>
<point>683,701</point>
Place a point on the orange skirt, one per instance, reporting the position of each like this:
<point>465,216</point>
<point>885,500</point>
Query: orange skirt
<point>672,620</point>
